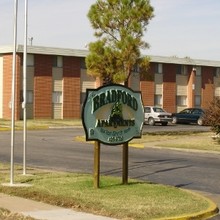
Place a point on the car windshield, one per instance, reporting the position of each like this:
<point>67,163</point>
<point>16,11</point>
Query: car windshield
<point>158,109</point>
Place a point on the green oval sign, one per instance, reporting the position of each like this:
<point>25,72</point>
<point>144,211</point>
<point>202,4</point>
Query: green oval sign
<point>113,114</point>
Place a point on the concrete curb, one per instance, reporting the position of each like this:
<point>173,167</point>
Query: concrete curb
<point>41,210</point>
<point>212,210</point>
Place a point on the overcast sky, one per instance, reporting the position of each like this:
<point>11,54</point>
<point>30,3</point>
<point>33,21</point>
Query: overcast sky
<point>180,27</point>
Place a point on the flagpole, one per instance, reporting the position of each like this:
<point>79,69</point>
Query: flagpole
<point>25,88</point>
<point>13,94</point>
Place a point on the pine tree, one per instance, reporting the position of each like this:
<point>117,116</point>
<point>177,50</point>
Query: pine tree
<point>119,27</point>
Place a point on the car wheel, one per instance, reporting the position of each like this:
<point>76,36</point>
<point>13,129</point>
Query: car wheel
<point>151,121</point>
<point>174,121</point>
<point>199,121</point>
<point>164,123</point>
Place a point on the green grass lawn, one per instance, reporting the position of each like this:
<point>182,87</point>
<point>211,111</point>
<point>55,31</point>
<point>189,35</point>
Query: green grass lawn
<point>182,140</point>
<point>136,200</point>
<point>39,124</point>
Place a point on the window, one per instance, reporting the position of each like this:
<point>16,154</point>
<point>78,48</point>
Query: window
<point>147,110</point>
<point>217,72</point>
<point>57,61</point>
<point>182,69</point>
<point>198,100</point>
<point>57,97</point>
<point>159,68</point>
<point>83,63</point>
<point>197,111</point>
<point>181,100</point>
<point>158,100</point>
<point>29,96</point>
<point>198,70</point>
<point>135,68</point>
<point>30,60</point>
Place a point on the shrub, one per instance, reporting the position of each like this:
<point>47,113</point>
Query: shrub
<point>212,115</point>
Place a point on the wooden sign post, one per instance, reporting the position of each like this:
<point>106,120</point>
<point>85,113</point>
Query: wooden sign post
<point>125,163</point>
<point>112,115</point>
<point>96,164</point>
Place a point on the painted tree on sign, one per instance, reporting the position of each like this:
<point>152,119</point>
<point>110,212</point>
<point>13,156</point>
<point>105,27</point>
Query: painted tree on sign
<point>119,28</point>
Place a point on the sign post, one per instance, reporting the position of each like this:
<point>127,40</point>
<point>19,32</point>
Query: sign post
<point>125,163</point>
<point>96,164</point>
<point>112,115</point>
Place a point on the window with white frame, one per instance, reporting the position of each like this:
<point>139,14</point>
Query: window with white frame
<point>181,100</point>
<point>57,97</point>
<point>159,68</point>
<point>158,100</point>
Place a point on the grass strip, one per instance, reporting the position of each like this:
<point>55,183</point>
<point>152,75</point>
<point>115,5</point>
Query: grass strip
<point>183,140</point>
<point>136,200</point>
<point>39,124</point>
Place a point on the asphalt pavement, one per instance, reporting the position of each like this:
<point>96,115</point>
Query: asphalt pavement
<point>44,142</point>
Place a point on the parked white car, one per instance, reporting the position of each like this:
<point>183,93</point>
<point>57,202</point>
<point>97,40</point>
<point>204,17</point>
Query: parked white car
<point>153,115</point>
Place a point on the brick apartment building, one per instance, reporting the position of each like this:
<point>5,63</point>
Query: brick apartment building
<point>57,82</point>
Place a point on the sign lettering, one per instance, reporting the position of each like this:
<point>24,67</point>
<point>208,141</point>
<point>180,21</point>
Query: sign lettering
<point>112,114</point>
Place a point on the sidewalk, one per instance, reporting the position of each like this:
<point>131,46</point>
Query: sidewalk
<point>43,211</point>
<point>39,210</point>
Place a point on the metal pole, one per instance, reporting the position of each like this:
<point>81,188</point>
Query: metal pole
<point>13,93</point>
<point>24,89</point>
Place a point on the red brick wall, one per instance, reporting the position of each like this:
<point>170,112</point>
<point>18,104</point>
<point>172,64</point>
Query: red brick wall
<point>147,86</point>
<point>207,86</point>
<point>169,87</point>
<point>43,86</point>
<point>71,87</point>
<point>7,86</point>
<point>147,91</point>
<point>191,90</point>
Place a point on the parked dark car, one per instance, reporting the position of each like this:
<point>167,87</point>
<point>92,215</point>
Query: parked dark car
<point>189,115</point>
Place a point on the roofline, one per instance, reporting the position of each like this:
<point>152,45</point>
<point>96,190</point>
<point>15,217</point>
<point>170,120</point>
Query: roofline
<point>45,50</point>
<point>84,53</point>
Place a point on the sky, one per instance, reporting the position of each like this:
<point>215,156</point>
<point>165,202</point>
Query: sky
<point>182,28</point>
